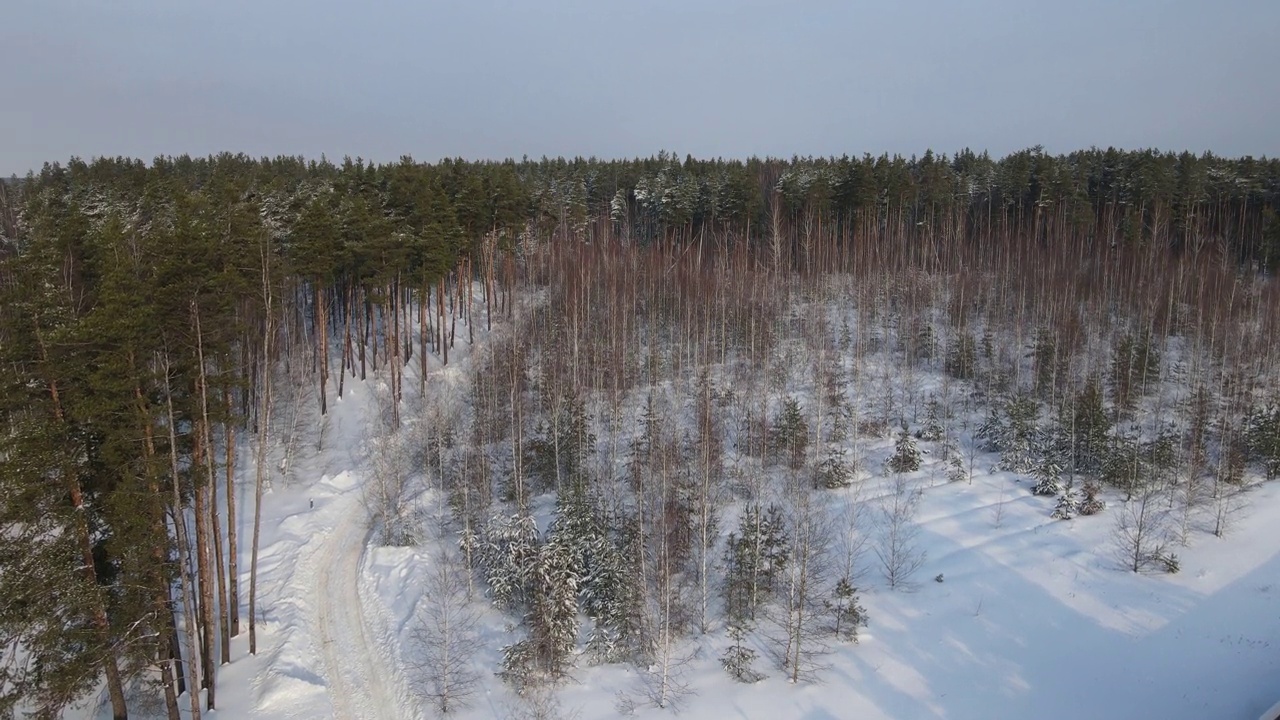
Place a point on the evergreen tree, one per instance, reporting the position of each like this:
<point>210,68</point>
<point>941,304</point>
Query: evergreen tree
<point>755,557</point>
<point>834,472</point>
<point>933,431</point>
<point>962,359</point>
<point>1135,367</point>
<point>789,437</point>
<point>1048,474</point>
<point>1014,433</point>
<point>846,614</point>
<point>906,456</point>
<point>1085,426</point>
<point>1262,437</point>
<point>1069,504</point>
<point>739,657</point>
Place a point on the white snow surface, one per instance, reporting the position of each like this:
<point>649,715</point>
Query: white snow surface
<point>1034,617</point>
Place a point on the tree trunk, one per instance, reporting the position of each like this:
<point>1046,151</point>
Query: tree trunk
<point>444,349</point>
<point>219,568</point>
<point>204,570</point>
<point>175,645</point>
<point>347,361</point>
<point>364,335</point>
<point>264,435</point>
<point>322,322</point>
<point>233,559</point>
<point>422,340</point>
<point>170,668</point>
<point>184,561</point>
<point>207,524</point>
<point>166,681</point>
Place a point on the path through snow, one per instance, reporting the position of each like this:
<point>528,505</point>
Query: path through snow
<point>360,684</point>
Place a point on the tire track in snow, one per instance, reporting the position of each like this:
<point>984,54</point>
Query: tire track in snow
<point>359,686</point>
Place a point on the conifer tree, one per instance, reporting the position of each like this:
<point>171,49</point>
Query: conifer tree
<point>906,456</point>
<point>789,436</point>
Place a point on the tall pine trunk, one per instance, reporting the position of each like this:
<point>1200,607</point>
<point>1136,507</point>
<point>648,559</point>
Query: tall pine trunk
<point>264,435</point>
<point>184,560</point>
<point>233,559</point>
<point>168,655</point>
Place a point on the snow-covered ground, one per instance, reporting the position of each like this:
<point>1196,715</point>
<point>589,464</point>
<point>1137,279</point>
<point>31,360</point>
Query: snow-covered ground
<point>1031,618</point>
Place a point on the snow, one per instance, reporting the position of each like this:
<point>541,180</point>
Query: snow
<point>1033,618</point>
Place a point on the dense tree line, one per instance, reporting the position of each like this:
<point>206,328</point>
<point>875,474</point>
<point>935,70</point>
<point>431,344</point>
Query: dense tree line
<point>153,313</point>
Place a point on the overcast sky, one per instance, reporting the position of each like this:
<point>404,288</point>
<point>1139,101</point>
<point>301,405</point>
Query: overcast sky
<point>493,78</point>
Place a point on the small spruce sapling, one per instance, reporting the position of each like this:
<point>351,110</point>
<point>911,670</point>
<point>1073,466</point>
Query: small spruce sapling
<point>1091,504</point>
<point>1048,476</point>
<point>906,456</point>
<point>1068,504</point>
<point>789,436</point>
<point>739,658</point>
<point>933,431</point>
<point>834,472</point>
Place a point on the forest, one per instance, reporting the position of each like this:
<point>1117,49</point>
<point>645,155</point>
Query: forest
<point>701,397</point>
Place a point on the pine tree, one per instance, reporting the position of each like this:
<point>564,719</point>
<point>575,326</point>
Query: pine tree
<point>789,437</point>
<point>846,614</point>
<point>508,549</point>
<point>1014,433</point>
<point>962,359</point>
<point>1262,437</point>
<point>1085,426</point>
<point>553,611</point>
<point>755,557</point>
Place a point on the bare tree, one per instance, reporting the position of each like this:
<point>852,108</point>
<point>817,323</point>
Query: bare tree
<point>264,390</point>
<point>797,621</point>
<point>899,554</point>
<point>385,491</point>
<point>1141,530</point>
<point>997,510</point>
<point>667,609</point>
<point>706,491</point>
<point>851,536</point>
<point>446,637</point>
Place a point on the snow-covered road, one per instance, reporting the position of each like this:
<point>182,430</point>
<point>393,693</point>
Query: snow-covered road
<point>360,684</point>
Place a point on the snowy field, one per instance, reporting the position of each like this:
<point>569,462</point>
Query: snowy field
<point>1011,615</point>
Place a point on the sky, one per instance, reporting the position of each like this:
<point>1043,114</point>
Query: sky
<point>503,78</point>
